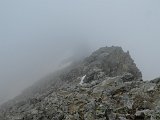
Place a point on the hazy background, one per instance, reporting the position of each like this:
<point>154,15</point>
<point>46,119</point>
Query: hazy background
<point>35,35</point>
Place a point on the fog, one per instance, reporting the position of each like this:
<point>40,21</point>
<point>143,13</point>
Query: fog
<point>36,35</point>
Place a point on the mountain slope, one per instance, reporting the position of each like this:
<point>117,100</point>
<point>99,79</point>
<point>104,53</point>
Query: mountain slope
<point>105,86</point>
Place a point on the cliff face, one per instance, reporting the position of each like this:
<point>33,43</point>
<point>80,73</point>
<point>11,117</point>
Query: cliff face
<point>105,86</point>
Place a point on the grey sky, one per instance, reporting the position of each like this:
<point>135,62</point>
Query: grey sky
<point>36,34</point>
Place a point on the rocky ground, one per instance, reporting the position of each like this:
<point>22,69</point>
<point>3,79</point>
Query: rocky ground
<point>105,86</point>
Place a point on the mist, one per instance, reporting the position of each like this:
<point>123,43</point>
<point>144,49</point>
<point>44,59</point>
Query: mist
<point>36,35</point>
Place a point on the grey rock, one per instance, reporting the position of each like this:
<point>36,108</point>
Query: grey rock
<point>112,90</point>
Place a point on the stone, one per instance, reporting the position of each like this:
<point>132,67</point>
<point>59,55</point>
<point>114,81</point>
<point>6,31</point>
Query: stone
<point>111,89</point>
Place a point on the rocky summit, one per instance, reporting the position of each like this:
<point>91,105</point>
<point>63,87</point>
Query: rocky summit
<point>107,85</point>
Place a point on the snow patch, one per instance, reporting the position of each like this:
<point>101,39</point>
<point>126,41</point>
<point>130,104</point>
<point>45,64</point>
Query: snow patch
<point>151,88</point>
<point>82,80</point>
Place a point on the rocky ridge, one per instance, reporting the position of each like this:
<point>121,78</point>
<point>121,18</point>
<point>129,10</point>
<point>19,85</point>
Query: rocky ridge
<point>105,86</point>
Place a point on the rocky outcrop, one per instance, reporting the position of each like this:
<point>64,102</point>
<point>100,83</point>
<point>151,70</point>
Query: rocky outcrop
<point>108,61</point>
<point>113,61</point>
<point>105,86</point>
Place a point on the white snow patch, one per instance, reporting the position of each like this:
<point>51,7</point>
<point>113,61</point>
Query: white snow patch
<point>151,88</point>
<point>82,80</point>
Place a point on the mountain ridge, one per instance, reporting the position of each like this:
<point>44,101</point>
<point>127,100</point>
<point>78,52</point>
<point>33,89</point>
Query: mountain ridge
<point>107,85</point>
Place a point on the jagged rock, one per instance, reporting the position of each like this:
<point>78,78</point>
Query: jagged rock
<point>141,116</point>
<point>113,61</point>
<point>156,81</point>
<point>111,89</point>
<point>127,77</point>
